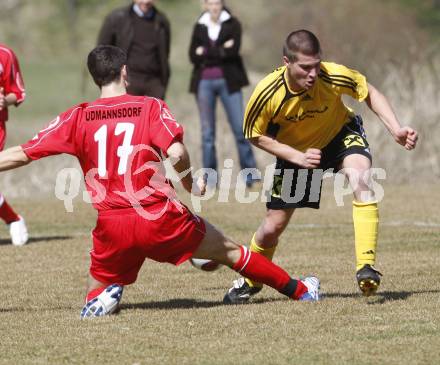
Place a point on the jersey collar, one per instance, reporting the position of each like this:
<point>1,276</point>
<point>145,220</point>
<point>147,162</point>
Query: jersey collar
<point>290,91</point>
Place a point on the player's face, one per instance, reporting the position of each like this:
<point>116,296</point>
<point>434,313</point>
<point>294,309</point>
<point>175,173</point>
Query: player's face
<point>303,72</point>
<point>214,8</point>
<point>144,5</point>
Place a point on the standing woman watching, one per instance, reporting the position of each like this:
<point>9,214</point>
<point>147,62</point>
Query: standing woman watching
<point>219,72</point>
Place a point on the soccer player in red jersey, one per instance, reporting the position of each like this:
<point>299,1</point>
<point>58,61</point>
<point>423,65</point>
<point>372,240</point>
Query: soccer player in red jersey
<point>11,93</point>
<point>118,140</point>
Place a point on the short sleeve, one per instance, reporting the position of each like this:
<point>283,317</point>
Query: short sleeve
<point>257,114</point>
<point>58,137</point>
<point>345,80</point>
<point>164,129</point>
<point>360,89</point>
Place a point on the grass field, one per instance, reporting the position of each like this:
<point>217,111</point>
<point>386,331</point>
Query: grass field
<point>175,315</point>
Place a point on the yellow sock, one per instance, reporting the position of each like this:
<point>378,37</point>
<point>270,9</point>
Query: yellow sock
<point>266,252</point>
<point>366,222</point>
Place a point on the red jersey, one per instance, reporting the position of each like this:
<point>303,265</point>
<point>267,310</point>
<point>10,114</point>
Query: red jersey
<point>119,142</point>
<point>10,78</point>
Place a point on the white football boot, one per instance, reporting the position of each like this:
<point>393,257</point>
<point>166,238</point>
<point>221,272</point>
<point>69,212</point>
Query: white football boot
<point>313,286</point>
<point>104,304</point>
<point>18,232</point>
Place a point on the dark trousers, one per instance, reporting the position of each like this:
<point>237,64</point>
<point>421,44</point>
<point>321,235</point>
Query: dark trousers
<point>149,85</point>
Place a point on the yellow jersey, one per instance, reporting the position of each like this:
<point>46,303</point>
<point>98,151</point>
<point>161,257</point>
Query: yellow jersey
<point>306,118</point>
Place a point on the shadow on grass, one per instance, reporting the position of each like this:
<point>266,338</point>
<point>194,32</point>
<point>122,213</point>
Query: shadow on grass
<point>164,305</point>
<point>191,304</point>
<point>4,241</point>
<point>382,297</point>
<point>173,304</point>
<point>10,310</point>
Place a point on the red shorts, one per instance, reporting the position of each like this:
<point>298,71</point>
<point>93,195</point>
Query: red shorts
<point>123,239</point>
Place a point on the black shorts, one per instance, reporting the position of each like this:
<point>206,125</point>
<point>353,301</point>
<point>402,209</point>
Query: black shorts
<point>297,187</point>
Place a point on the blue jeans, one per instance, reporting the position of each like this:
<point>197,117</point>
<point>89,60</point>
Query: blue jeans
<point>207,94</point>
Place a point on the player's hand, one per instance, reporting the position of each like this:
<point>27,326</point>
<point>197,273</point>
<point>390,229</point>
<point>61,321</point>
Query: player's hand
<point>311,158</point>
<point>407,137</point>
<point>2,99</point>
<point>199,186</point>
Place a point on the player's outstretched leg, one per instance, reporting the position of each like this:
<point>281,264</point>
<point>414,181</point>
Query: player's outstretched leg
<point>217,247</point>
<point>264,242</point>
<point>101,300</point>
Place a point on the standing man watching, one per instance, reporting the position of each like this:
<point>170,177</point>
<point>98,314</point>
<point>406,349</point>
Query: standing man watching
<point>11,93</point>
<point>143,32</point>
<point>296,114</point>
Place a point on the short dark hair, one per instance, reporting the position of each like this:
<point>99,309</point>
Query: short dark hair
<point>301,41</point>
<point>105,64</point>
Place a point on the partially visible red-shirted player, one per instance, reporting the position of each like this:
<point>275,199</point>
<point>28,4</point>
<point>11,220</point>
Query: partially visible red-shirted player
<point>11,93</point>
<point>118,140</point>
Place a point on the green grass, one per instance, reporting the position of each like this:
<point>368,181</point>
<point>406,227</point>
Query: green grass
<point>175,316</point>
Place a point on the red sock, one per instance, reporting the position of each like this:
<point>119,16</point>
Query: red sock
<point>7,213</point>
<point>94,293</point>
<point>258,268</point>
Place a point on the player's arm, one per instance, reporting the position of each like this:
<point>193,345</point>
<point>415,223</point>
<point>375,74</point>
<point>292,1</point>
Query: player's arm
<point>182,164</point>
<point>12,158</point>
<point>379,104</point>
<point>309,159</point>
<point>167,136</point>
<point>7,100</point>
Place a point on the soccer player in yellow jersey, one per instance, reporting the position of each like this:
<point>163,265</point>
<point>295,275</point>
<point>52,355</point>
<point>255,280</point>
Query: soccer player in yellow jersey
<point>296,113</point>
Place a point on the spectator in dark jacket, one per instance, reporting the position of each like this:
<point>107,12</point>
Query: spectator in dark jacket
<point>219,72</point>
<point>143,32</point>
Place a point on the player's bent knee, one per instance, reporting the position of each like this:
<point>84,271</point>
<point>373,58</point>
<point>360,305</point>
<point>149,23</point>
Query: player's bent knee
<point>215,246</point>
